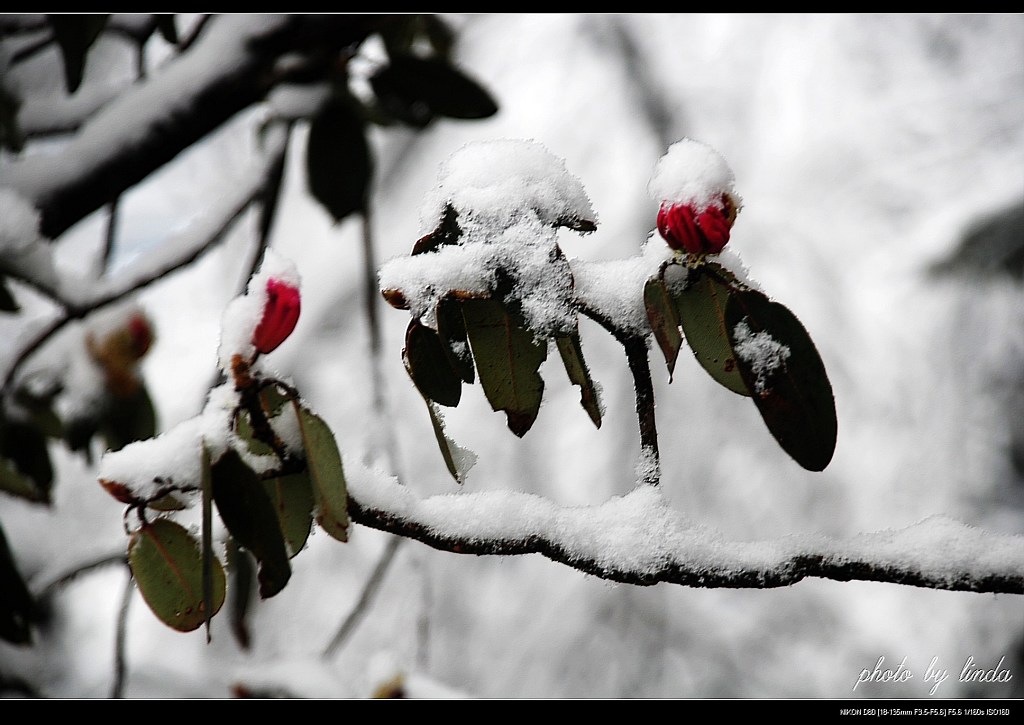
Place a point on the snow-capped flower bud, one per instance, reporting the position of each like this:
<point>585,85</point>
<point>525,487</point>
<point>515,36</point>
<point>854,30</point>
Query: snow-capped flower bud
<point>694,186</point>
<point>280,314</point>
<point>704,232</point>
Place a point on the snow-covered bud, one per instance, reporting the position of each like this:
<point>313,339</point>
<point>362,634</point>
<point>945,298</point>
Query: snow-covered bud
<point>280,314</point>
<point>694,186</point>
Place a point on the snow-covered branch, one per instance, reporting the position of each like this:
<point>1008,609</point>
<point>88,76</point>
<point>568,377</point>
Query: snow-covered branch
<point>79,298</point>
<point>230,67</point>
<point>638,539</point>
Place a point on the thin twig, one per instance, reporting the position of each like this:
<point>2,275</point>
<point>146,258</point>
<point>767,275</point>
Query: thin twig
<point>362,605</point>
<point>121,640</point>
<point>110,238</point>
<point>371,299</point>
<point>70,575</point>
<point>639,366</point>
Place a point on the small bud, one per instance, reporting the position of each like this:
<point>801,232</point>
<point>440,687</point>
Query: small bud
<point>280,314</point>
<point>706,232</point>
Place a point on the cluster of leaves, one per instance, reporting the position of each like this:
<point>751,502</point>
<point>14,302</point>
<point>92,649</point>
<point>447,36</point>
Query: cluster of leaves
<point>267,513</point>
<point>717,314</point>
<point>418,84</point>
<point>485,336</point>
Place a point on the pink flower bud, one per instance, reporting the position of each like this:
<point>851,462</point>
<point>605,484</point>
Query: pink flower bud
<point>279,315</point>
<point>706,232</point>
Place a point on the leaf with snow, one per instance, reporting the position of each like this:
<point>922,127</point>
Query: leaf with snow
<point>701,309</point>
<point>458,460</point>
<point>781,366</point>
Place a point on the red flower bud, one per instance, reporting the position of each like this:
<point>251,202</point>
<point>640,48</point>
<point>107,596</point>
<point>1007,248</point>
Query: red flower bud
<point>279,315</point>
<point>703,233</point>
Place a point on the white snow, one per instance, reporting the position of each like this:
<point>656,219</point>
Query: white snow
<point>761,351</point>
<point>692,173</point>
<point>495,183</point>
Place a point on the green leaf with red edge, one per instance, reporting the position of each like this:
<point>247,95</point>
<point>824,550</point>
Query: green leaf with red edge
<point>325,473</point>
<point>701,308</point>
<point>16,606</point>
<point>249,515</point>
<point>339,166</point>
<point>508,358</point>
<point>663,319</point>
<point>167,565</point>
<point>429,365</point>
<point>571,350</point>
<point>782,368</point>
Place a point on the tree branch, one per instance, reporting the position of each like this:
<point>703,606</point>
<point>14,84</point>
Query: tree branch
<point>638,539</point>
<point>230,67</point>
<point>80,300</point>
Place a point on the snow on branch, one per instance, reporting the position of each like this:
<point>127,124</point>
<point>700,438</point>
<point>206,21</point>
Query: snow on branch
<point>231,66</point>
<point>638,539</point>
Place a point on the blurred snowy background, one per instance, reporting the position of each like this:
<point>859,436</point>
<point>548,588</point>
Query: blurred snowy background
<point>867,149</point>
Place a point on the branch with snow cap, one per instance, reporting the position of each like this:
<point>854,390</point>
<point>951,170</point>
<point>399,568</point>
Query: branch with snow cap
<point>639,539</point>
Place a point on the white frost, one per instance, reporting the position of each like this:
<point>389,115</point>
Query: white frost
<point>692,173</point>
<point>761,351</point>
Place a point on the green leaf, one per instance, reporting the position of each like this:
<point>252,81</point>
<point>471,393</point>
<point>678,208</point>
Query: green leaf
<point>7,301</point>
<point>75,34</point>
<point>571,350</point>
<point>783,369</point>
<point>451,328</point>
<point>250,516</point>
<point>168,568</point>
<point>429,365</point>
<point>457,459</point>
<point>339,168</point>
<point>16,607</point>
<point>325,473</point>
<point>25,447</point>
<point>664,320</point>
<point>129,419</point>
<point>701,310</point>
<point>293,502</point>
<point>415,90</point>
<point>508,358</point>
